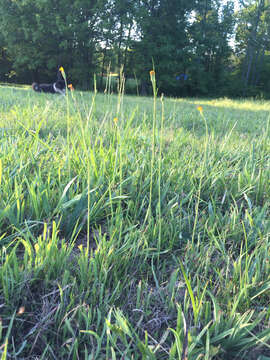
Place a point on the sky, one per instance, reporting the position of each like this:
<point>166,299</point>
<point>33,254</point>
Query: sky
<point>236,4</point>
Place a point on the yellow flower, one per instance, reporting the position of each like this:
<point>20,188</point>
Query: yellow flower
<point>70,86</point>
<point>200,109</point>
<point>80,247</point>
<point>115,120</point>
<point>152,73</point>
<point>62,70</point>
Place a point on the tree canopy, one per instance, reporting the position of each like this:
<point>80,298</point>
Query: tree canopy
<point>198,47</point>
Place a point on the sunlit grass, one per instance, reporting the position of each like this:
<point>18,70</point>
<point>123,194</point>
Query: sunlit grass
<point>133,228</point>
<point>244,104</point>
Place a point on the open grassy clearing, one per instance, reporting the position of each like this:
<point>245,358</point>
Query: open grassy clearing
<point>133,229</point>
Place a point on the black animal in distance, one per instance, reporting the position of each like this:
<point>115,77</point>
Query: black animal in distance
<point>58,87</point>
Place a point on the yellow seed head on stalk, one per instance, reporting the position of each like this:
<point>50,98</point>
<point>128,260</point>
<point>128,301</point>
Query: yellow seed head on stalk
<point>62,71</point>
<point>21,310</point>
<point>200,109</point>
<point>80,247</point>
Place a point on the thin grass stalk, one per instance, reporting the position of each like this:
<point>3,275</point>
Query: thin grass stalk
<point>107,79</point>
<point>0,171</point>
<point>246,260</point>
<point>5,353</point>
<point>202,174</point>
<point>118,144</point>
<point>159,173</point>
<point>88,172</point>
<point>68,120</point>
<point>86,150</point>
<point>119,138</point>
<point>153,81</point>
<point>121,87</point>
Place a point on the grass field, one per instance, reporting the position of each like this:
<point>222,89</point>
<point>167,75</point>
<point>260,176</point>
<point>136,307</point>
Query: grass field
<point>133,228</point>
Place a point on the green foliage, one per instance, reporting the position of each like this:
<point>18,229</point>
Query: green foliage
<point>160,25</point>
<point>187,41</point>
<point>211,32</point>
<point>252,46</point>
<point>41,36</point>
<point>5,62</point>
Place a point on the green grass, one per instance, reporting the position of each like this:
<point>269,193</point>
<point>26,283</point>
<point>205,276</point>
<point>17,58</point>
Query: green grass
<point>142,238</point>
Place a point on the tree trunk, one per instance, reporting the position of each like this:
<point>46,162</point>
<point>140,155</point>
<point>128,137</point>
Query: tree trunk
<point>260,63</point>
<point>126,48</point>
<point>102,68</point>
<point>251,47</point>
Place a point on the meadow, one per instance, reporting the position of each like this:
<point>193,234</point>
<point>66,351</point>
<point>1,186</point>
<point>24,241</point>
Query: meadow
<point>133,227</point>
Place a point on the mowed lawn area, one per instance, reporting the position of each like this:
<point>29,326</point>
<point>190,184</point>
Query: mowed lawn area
<point>133,227</point>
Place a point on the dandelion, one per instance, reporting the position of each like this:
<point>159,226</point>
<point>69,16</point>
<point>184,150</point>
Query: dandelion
<point>152,73</point>
<point>115,120</point>
<point>200,109</point>
<point>70,86</point>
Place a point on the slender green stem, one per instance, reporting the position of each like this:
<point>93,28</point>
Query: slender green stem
<point>202,169</point>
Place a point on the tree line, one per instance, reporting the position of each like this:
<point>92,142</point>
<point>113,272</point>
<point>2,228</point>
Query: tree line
<point>197,47</point>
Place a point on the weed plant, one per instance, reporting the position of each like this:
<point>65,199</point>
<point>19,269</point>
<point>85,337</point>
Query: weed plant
<point>133,228</point>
